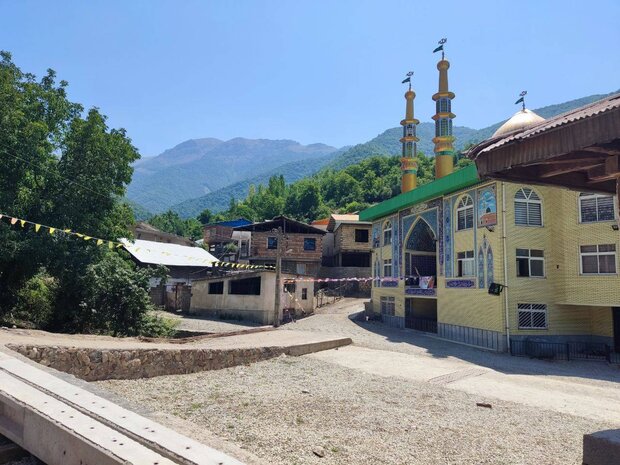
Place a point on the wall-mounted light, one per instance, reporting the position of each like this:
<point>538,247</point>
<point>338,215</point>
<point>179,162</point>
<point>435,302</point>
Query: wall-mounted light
<point>614,227</point>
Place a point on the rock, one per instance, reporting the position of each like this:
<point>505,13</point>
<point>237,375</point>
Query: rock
<point>305,391</point>
<point>318,451</point>
<point>483,404</point>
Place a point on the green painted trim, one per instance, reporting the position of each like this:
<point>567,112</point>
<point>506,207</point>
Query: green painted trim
<point>460,179</point>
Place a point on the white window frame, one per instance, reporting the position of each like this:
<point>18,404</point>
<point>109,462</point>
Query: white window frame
<point>463,206</point>
<point>387,262</point>
<point>529,263</point>
<point>387,228</point>
<point>589,196</point>
<point>463,260</point>
<point>597,254</point>
<point>532,309</point>
<point>388,305</point>
<point>528,201</point>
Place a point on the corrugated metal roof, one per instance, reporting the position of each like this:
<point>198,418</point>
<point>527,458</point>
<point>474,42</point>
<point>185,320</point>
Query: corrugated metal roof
<point>465,177</point>
<point>602,106</point>
<point>159,253</point>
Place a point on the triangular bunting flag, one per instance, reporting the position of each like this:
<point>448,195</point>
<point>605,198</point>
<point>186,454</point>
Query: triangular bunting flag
<point>13,220</point>
<point>52,230</point>
<point>37,227</point>
<point>99,241</point>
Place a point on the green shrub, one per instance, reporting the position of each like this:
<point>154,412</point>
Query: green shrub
<point>35,301</point>
<point>154,325</point>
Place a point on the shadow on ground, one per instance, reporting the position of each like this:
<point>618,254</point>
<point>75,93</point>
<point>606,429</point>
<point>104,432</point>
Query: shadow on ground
<point>501,362</point>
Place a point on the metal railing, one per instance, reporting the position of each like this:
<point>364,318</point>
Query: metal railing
<point>421,324</point>
<point>563,350</point>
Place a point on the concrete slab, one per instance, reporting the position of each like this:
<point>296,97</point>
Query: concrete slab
<point>602,448</point>
<point>164,441</point>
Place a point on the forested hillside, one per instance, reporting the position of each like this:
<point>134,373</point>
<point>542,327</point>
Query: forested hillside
<point>196,167</point>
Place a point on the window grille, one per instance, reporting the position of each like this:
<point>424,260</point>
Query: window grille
<point>532,316</point>
<point>596,207</point>
<point>388,306</point>
<point>387,267</point>
<point>465,214</point>
<point>598,259</point>
<point>530,263</point>
<point>387,233</point>
<point>528,208</point>
<point>465,262</point>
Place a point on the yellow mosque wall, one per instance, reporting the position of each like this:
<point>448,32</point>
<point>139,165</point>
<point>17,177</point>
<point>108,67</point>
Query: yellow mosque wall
<point>576,304</point>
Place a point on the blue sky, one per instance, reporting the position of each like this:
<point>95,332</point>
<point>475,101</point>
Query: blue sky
<point>313,71</point>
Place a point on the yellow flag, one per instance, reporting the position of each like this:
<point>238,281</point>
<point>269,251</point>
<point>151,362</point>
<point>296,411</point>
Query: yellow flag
<point>119,245</point>
<point>87,238</point>
<point>37,227</point>
<point>52,230</point>
<point>99,241</point>
<point>67,230</point>
<point>79,235</point>
<point>110,245</point>
<point>23,222</point>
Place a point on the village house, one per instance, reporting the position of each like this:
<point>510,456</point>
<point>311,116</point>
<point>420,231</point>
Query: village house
<point>226,243</point>
<point>500,265</point>
<point>147,232</point>
<point>251,296</point>
<point>184,264</point>
<point>301,250</point>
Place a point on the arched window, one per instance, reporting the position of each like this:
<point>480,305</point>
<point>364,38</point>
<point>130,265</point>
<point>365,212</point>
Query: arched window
<point>465,213</point>
<point>528,208</point>
<point>387,233</point>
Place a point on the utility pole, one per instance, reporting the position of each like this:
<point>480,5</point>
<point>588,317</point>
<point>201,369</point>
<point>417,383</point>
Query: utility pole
<point>276,305</point>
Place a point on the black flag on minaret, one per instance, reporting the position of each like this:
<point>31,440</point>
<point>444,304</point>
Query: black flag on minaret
<point>408,78</point>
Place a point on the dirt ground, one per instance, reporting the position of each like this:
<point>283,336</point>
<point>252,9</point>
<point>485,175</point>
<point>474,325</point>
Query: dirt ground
<point>394,397</point>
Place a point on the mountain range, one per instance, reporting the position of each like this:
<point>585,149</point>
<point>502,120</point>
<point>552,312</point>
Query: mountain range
<point>207,173</point>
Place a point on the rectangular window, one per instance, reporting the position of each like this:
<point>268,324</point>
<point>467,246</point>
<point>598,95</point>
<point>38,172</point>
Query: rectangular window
<point>247,286</point>
<point>272,242</point>
<point>289,287</point>
<point>532,316</point>
<point>244,250</point>
<point>530,263</point>
<point>388,306</point>
<point>598,259</point>
<point>387,267</point>
<point>300,268</point>
<point>528,213</point>
<point>304,293</point>
<point>309,243</point>
<point>361,235</point>
<point>595,207</point>
<point>216,288</point>
<point>465,261</point>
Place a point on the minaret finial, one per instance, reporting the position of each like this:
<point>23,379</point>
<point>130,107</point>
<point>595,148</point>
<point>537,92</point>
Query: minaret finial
<point>440,48</point>
<point>408,161</point>
<point>522,99</point>
<point>443,140</point>
<point>408,79</point>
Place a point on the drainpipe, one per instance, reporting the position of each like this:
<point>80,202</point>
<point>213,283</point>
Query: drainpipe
<point>507,313</point>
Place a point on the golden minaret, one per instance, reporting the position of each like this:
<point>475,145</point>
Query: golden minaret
<point>408,162</point>
<point>444,150</point>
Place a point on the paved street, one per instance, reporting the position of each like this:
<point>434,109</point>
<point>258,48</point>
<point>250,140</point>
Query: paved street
<point>588,389</point>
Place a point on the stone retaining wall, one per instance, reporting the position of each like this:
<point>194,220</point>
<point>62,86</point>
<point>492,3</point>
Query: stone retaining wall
<point>99,364</point>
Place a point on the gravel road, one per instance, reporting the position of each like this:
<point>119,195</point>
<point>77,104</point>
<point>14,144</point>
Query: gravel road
<point>291,410</point>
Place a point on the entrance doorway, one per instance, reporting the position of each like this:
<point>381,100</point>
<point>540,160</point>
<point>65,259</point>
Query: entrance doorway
<point>420,255</point>
<point>615,313</point>
<point>421,314</point>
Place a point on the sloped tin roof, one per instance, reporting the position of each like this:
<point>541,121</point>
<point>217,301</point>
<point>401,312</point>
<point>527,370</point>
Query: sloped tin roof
<point>159,253</point>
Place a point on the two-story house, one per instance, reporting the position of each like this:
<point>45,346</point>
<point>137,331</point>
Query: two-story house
<point>301,249</point>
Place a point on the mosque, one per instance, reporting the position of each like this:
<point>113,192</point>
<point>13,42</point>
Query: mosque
<point>494,264</point>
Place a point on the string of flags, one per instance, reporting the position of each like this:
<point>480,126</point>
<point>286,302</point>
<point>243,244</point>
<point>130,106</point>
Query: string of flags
<point>53,231</point>
<point>332,280</point>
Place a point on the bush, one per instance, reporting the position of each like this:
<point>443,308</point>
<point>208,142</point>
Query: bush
<point>116,297</point>
<point>35,301</point>
<point>154,325</point>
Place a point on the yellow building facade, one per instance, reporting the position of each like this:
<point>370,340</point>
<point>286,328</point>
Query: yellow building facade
<point>440,250</point>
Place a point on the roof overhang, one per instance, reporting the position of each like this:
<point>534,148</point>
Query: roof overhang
<point>579,150</point>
